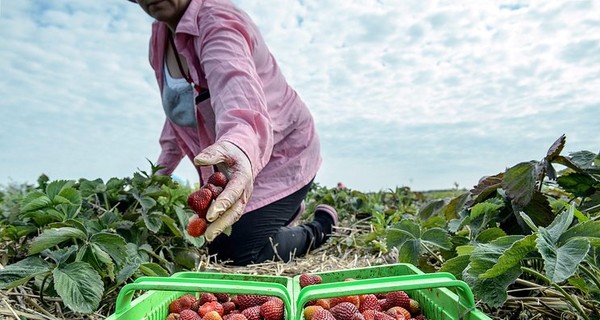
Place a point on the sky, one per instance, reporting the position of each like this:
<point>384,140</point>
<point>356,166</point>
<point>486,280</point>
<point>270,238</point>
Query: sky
<point>426,94</point>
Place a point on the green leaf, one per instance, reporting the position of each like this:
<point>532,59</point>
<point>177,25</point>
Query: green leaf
<point>512,257</point>
<point>90,187</point>
<point>579,184</point>
<point>437,237</point>
<point>132,265</point>
<point>153,270</point>
<point>560,224</point>
<point>485,208</point>
<point>410,251</point>
<point>70,195</point>
<point>55,187</point>
<point>103,260</point>
<point>61,255</point>
<point>519,183</point>
<point>113,244</point>
<point>183,217</point>
<point>172,225</point>
<point>561,262</point>
<point>52,237</point>
<point>452,209</point>
<point>539,209</point>
<point>146,202</point>
<point>456,265</point>
<point>583,159</point>
<point>588,229</point>
<point>490,234</point>
<point>465,250</point>
<point>429,209</point>
<point>35,200</point>
<point>152,221</point>
<point>16,274</point>
<point>80,286</point>
<point>556,148</point>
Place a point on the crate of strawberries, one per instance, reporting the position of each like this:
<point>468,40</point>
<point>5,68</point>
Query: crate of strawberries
<point>390,292</point>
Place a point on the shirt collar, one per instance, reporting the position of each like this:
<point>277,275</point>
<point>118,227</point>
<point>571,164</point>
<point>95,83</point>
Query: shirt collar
<point>189,20</point>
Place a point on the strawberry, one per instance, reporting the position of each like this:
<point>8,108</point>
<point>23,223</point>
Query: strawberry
<point>324,303</point>
<point>369,302</point>
<point>187,300</point>
<point>378,315</point>
<point>212,315</point>
<point>397,299</point>
<point>414,307</point>
<point>228,306</point>
<point>272,309</point>
<point>234,316</point>
<point>323,315</point>
<point>399,313</point>
<point>383,303</point>
<point>206,297</point>
<point>216,191</point>
<point>307,279</point>
<point>252,313</point>
<point>199,201</point>
<point>343,310</point>
<point>196,227</point>
<point>352,299</point>
<point>173,316</point>
<point>358,316</point>
<point>189,315</point>
<point>369,314</point>
<point>176,306</point>
<point>245,301</point>
<point>420,317</point>
<point>310,311</point>
<point>218,179</point>
<point>222,297</point>
<point>210,306</point>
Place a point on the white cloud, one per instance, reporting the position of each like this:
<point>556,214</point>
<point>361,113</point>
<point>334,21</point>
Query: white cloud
<point>419,93</point>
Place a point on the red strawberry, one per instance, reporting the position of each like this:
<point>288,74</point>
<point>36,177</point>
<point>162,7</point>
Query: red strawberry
<point>252,313</point>
<point>324,303</point>
<point>176,306</point>
<point>399,313</point>
<point>187,300</point>
<point>206,297</point>
<point>378,315</point>
<point>173,316</point>
<point>199,201</point>
<point>323,315</point>
<point>222,297</point>
<point>307,279</point>
<point>210,306</point>
<point>250,300</point>
<point>196,227</point>
<point>383,303</point>
<point>414,307</point>
<point>369,302</point>
<point>218,179</point>
<point>310,311</point>
<point>189,315</point>
<point>216,191</point>
<point>234,316</point>
<point>344,310</point>
<point>397,299</point>
<point>212,315</point>
<point>228,306</point>
<point>420,317</point>
<point>352,299</point>
<point>369,314</point>
<point>358,316</point>
<point>273,309</point>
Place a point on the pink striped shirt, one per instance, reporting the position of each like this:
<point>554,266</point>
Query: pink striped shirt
<point>251,103</point>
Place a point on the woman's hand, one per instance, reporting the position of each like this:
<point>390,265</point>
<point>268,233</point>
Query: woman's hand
<point>230,204</point>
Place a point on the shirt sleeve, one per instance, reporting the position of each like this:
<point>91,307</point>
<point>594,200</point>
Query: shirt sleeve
<point>171,154</point>
<point>225,50</point>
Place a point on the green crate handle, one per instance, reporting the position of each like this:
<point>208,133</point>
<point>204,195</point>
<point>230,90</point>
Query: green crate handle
<point>123,302</point>
<point>386,284</point>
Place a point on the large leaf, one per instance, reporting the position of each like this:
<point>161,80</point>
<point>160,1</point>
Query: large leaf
<point>579,184</point>
<point>54,188</point>
<point>539,210</point>
<point>490,234</point>
<point>491,291</point>
<point>16,274</point>
<point>52,237</point>
<point>430,208</point>
<point>146,202</point>
<point>90,187</point>
<point>172,225</point>
<point>113,244</point>
<point>561,262</point>
<point>485,208</point>
<point>153,270</point>
<point>34,201</point>
<point>519,182</point>
<point>512,257</point>
<point>583,159</point>
<point>132,265</point>
<point>485,187</point>
<point>153,221</point>
<point>437,237</point>
<point>80,286</point>
<point>456,265</point>
<point>560,224</point>
<point>452,209</point>
<point>556,148</point>
<point>588,229</point>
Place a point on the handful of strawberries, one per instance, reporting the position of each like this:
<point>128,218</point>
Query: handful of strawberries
<point>200,201</point>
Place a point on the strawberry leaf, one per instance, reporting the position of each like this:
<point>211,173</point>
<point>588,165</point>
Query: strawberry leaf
<point>79,285</point>
<point>52,237</point>
<point>18,273</point>
<point>519,182</point>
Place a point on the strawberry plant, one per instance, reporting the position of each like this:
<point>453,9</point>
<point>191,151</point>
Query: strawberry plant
<point>82,240</point>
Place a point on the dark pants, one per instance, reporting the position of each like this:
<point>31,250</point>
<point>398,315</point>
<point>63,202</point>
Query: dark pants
<point>254,236</point>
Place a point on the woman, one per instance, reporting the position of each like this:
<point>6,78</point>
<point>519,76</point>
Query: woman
<point>229,106</point>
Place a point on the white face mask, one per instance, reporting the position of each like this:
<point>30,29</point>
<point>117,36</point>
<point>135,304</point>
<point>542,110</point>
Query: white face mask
<point>178,102</point>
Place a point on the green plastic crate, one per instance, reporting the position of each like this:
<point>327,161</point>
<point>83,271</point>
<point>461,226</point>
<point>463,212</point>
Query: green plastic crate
<point>434,291</point>
<point>161,291</point>
<point>431,290</point>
